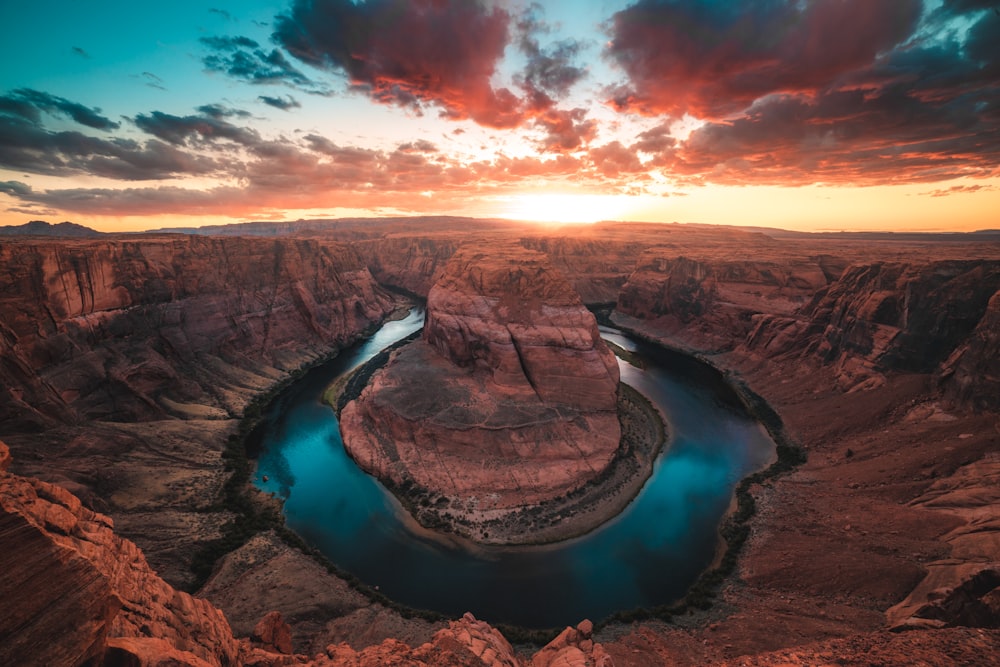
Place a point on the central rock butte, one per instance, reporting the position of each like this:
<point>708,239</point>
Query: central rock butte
<point>508,402</point>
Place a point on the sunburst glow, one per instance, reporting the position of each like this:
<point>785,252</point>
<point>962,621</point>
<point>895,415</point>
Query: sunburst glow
<point>566,208</point>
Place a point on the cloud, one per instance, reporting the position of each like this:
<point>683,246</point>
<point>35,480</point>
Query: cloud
<point>565,130</point>
<point>549,72</point>
<point>221,13</point>
<point>153,81</point>
<point>835,91</point>
<point>711,59</point>
<point>219,111</point>
<point>80,52</point>
<point>15,188</point>
<point>179,130</point>
<point>957,189</point>
<point>27,146</point>
<point>245,59</point>
<point>409,53</point>
<point>283,103</point>
<point>27,104</point>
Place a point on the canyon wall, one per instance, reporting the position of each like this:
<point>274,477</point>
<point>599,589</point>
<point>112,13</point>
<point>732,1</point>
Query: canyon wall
<point>137,330</point>
<point>863,319</point>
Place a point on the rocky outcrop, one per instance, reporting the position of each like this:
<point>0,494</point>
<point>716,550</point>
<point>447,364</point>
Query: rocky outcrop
<point>963,589</point>
<point>905,317</point>
<point>412,264</point>
<point>713,301</point>
<point>869,319</point>
<point>127,330</point>
<point>972,374</point>
<point>506,311</point>
<point>507,402</point>
<point>273,634</point>
<point>71,588</point>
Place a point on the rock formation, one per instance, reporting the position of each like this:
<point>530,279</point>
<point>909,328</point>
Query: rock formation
<point>125,363</point>
<point>508,401</point>
<point>142,329</point>
<point>75,593</point>
<point>885,372</point>
<point>72,588</point>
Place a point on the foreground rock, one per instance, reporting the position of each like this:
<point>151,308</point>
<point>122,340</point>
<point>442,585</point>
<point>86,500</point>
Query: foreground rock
<point>509,401</point>
<point>67,577</point>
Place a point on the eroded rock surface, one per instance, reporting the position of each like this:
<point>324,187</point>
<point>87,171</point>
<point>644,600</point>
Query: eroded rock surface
<point>174,327</point>
<point>70,586</point>
<point>510,399</point>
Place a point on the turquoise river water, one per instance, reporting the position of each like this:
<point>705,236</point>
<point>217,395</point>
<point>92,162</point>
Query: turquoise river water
<point>648,555</point>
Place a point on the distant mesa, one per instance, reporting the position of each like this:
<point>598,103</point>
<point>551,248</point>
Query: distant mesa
<point>42,228</point>
<point>508,402</point>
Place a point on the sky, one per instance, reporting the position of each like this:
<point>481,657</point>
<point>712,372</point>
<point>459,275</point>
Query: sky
<point>801,114</point>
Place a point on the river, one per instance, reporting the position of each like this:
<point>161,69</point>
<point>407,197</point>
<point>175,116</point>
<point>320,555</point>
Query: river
<point>648,555</point>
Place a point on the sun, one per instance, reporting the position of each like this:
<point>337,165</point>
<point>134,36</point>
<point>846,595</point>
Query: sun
<point>565,208</point>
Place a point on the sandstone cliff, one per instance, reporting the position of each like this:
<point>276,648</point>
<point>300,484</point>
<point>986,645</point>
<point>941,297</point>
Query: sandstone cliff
<point>73,590</point>
<point>507,402</point>
<point>126,362</point>
<point>895,317</point>
<point>713,301</point>
<point>128,330</point>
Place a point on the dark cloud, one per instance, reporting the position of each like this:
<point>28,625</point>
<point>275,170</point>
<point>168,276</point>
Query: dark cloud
<point>179,130</point>
<point>80,52</point>
<point>550,71</point>
<point>27,104</point>
<point>841,91</point>
<point>15,188</point>
<point>153,81</point>
<point>283,103</point>
<point>711,58</point>
<point>409,52</point>
<point>219,111</point>
<point>220,12</point>
<point>27,146</point>
<point>245,59</point>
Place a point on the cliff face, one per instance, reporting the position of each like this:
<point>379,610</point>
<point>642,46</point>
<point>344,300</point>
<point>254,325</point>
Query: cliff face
<point>972,373</point>
<point>409,263</point>
<point>714,300</point>
<point>72,589</point>
<point>897,317</point>
<point>508,401</point>
<point>139,330</point>
<point>75,593</point>
<point>864,319</point>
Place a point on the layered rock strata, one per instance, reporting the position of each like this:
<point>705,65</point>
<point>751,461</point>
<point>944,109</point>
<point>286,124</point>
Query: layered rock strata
<point>136,330</point>
<point>126,362</point>
<point>508,401</point>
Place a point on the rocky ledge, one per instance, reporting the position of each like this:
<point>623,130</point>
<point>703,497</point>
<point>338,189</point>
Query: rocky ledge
<point>509,402</point>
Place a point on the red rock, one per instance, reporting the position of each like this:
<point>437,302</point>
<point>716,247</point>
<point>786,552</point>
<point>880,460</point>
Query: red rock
<point>509,400</point>
<point>506,310</point>
<point>273,633</point>
<point>64,573</point>
<point>130,330</point>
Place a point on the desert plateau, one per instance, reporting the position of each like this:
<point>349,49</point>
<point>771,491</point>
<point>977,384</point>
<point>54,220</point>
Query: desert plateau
<point>500,333</point>
<point>125,384</point>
